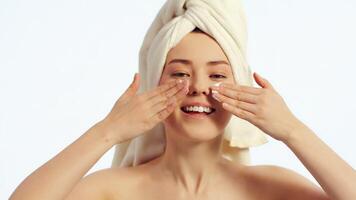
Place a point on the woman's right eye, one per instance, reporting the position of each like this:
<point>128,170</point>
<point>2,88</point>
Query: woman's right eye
<point>179,74</point>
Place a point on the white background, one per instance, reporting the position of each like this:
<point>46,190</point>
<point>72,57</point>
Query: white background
<point>64,63</point>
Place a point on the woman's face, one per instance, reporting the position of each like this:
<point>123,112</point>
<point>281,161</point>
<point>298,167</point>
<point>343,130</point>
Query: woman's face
<point>199,59</point>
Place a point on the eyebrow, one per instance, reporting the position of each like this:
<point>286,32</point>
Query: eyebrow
<point>188,62</point>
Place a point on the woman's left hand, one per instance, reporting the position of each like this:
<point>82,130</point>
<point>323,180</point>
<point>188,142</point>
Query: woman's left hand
<point>263,107</point>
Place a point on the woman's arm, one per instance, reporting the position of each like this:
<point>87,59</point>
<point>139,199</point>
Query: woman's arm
<point>267,110</point>
<point>57,177</point>
<point>335,176</point>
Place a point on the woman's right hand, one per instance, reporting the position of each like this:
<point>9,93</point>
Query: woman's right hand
<point>134,114</point>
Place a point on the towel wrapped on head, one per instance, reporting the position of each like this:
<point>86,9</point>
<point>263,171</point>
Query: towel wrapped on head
<point>224,21</point>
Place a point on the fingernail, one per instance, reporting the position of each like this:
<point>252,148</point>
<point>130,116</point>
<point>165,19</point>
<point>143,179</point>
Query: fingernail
<point>215,97</point>
<point>186,90</point>
<point>215,85</point>
<point>179,82</point>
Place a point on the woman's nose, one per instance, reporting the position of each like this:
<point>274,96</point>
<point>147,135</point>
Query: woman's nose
<point>198,88</point>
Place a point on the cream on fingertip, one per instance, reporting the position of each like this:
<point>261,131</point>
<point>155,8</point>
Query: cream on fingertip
<point>217,85</point>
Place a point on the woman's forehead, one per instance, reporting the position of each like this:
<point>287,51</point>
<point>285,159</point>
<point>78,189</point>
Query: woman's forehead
<point>213,64</point>
<point>197,47</point>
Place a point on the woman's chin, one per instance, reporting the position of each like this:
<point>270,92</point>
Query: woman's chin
<point>200,134</point>
<point>193,133</point>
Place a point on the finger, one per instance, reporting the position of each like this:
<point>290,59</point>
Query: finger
<point>176,96</point>
<point>165,95</point>
<point>239,112</point>
<point>164,113</point>
<point>155,91</point>
<point>131,90</point>
<point>238,95</point>
<point>182,93</point>
<point>160,106</point>
<point>242,88</point>
<point>252,108</point>
<point>262,81</point>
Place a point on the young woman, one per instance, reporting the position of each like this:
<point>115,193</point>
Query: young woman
<point>191,166</point>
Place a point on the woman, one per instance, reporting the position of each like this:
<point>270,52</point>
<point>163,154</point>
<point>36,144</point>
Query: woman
<point>191,166</point>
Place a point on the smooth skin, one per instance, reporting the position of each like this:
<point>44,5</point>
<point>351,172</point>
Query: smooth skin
<point>266,109</point>
<point>48,181</point>
<point>56,178</point>
<point>62,176</point>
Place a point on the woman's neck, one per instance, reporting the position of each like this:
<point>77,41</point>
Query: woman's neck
<point>191,165</point>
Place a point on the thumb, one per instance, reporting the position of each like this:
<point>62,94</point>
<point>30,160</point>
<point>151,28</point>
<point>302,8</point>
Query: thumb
<point>134,84</point>
<point>132,89</point>
<point>262,81</point>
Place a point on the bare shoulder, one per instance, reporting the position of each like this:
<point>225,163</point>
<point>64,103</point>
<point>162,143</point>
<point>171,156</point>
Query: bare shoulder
<point>283,183</point>
<point>118,181</point>
<point>103,184</point>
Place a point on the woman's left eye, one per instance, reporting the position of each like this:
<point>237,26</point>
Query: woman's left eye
<point>220,76</point>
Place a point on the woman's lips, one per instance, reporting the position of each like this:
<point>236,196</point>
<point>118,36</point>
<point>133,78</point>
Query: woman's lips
<point>197,115</point>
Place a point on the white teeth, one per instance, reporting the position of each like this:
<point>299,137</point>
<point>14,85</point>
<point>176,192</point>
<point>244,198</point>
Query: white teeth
<point>201,109</point>
<point>198,109</point>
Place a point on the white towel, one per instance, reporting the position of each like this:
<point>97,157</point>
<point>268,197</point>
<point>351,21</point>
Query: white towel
<point>225,21</point>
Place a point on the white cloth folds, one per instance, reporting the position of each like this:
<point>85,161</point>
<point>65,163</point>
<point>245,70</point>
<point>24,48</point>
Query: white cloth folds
<point>223,20</point>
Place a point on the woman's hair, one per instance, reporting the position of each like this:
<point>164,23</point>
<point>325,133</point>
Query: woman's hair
<point>197,30</point>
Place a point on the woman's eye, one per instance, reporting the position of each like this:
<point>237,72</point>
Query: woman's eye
<point>219,76</point>
<point>180,74</point>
